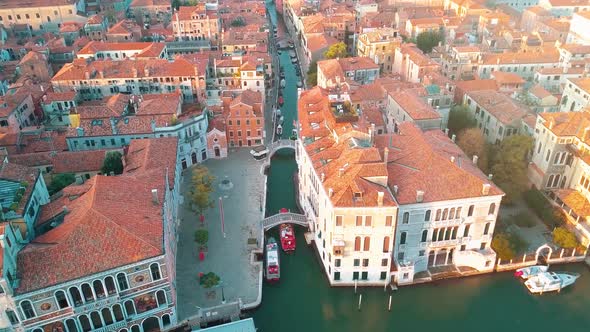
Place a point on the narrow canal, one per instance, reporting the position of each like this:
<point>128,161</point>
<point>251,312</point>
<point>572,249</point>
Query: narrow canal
<point>303,301</point>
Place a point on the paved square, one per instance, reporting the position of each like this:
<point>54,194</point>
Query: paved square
<point>229,256</point>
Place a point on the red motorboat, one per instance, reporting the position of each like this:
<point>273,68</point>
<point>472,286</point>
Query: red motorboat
<point>287,238</point>
<point>281,100</point>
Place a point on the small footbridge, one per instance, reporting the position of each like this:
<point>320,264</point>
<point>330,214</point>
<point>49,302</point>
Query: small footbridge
<point>281,218</point>
<point>281,144</point>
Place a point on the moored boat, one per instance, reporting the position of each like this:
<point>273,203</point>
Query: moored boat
<point>287,237</point>
<point>550,281</point>
<point>283,83</point>
<point>273,271</point>
<point>530,271</point>
<point>281,100</point>
<point>279,130</point>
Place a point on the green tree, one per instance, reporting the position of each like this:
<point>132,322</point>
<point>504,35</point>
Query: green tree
<point>509,166</point>
<point>209,280</point>
<point>337,50</point>
<point>503,247</point>
<point>472,142</point>
<point>202,182</point>
<point>60,181</point>
<point>113,162</point>
<point>238,22</point>
<point>564,238</point>
<point>202,237</point>
<point>460,118</point>
<point>312,74</point>
<point>427,40</point>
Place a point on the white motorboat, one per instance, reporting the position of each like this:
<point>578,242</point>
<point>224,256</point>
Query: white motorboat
<point>279,130</point>
<point>530,271</point>
<point>283,83</point>
<point>550,281</point>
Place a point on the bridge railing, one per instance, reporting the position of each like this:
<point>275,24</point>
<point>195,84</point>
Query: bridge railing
<point>284,217</point>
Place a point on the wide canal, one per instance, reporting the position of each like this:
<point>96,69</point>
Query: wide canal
<point>303,301</point>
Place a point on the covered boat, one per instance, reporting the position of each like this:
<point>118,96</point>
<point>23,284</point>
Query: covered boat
<point>279,130</point>
<point>550,281</point>
<point>530,271</point>
<point>287,237</point>
<point>272,270</point>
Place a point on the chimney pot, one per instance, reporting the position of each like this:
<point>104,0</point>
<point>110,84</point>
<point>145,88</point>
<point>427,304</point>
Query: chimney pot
<point>330,192</point>
<point>452,159</point>
<point>490,176</point>
<point>475,158</point>
<point>395,189</point>
<point>453,137</point>
<point>323,177</point>
<point>385,155</point>
<point>419,196</point>
<point>447,131</point>
<point>341,171</point>
<point>486,189</point>
<point>155,196</point>
<point>380,196</point>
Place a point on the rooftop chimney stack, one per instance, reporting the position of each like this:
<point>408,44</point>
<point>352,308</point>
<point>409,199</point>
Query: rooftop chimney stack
<point>341,171</point>
<point>155,196</point>
<point>395,189</point>
<point>453,137</point>
<point>447,131</point>
<point>475,158</point>
<point>453,159</point>
<point>323,177</point>
<point>380,196</point>
<point>372,133</point>
<point>385,155</point>
<point>490,176</point>
<point>419,196</point>
<point>330,192</point>
<point>486,189</point>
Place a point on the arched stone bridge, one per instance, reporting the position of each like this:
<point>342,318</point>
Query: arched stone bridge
<point>281,144</point>
<point>281,218</point>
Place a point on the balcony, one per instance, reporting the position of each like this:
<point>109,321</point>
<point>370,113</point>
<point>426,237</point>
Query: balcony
<point>100,303</point>
<point>445,243</point>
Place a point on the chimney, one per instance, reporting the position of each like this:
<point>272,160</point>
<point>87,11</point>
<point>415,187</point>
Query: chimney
<point>419,196</point>
<point>79,179</point>
<point>551,124</point>
<point>341,171</point>
<point>134,71</point>
<point>87,75</point>
<point>101,74</point>
<point>372,133</point>
<point>153,124</point>
<point>385,155</point>
<point>323,177</point>
<point>330,192</point>
<point>453,137</point>
<point>453,159</point>
<point>66,210</point>
<point>80,131</point>
<point>146,72</point>
<point>486,189</point>
<point>490,176</point>
<point>111,173</point>
<point>155,196</point>
<point>475,158</point>
<point>395,189</point>
<point>380,195</point>
<point>447,132</point>
<point>586,130</point>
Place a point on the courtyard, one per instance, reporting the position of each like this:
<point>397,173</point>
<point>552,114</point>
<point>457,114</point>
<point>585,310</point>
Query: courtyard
<point>239,183</point>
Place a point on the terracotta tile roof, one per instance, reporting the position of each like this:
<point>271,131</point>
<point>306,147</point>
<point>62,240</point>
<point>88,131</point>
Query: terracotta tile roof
<point>337,68</point>
<point>45,141</point>
<point>34,159</point>
<point>34,3</point>
<point>583,83</point>
<point>95,19</point>
<point>149,3</point>
<point>59,96</point>
<point>110,212</point>
<point>507,78</point>
<point>571,124</point>
<point>421,161</point>
<point>539,92</point>
<point>144,49</point>
<point>415,106</point>
<point>477,85</point>
<point>185,13</point>
<point>549,56</point>
<point>78,161</point>
<point>568,3</point>
<point>417,56</point>
<point>317,42</point>
<point>500,106</point>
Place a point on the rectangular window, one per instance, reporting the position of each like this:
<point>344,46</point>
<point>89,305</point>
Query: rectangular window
<point>355,276</point>
<point>384,262</point>
<point>483,246</point>
<point>365,275</point>
<point>356,262</point>
<point>388,220</point>
<point>368,220</point>
<point>365,262</point>
<point>336,275</point>
<point>421,253</point>
<point>338,220</point>
<point>383,275</point>
<point>359,220</point>
<point>337,262</point>
<point>400,256</point>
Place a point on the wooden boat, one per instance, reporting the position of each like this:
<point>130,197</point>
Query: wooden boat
<point>287,238</point>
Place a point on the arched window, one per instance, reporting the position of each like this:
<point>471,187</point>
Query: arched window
<point>118,313</point>
<point>492,208</point>
<point>386,244</point>
<point>60,298</point>
<point>452,214</point>
<point>155,270</point>
<point>556,159</point>
<point>38,330</point>
<point>367,244</point>
<point>123,330</point>
<point>556,181</point>
<point>445,214</point>
<point>122,282</point>
<point>406,217</point>
<point>87,292</point>
<point>486,229</point>
<point>85,323</point>
<point>75,295</point>
<point>563,158</point>
<point>27,309</point>
<point>458,213</point>
<point>71,325</point>
<point>357,243</point>
<point>466,230</point>
<point>470,211</point>
<point>402,238</point>
<point>562,182</point>
<point>129,308</point>
<point>437,218</point>
<point>161,298</point>
<point>427,215</point>
<point>548,155</point>
<point>106,316</point>
<point>95,318</point>
<point>424,235</point>
<point>550,181</point>
<point>135,328</point>
<point>109,282</point>
<point>165,320</point>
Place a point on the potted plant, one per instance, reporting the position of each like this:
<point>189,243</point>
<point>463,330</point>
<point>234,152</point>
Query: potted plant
<point>202,237</point>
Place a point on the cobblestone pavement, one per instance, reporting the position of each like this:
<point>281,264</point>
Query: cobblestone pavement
<point>228,256</point>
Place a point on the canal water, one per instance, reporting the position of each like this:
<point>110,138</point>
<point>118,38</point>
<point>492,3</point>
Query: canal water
<point>303,300</point>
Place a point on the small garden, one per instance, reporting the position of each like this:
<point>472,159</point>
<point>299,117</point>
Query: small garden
<point>551,215</point>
